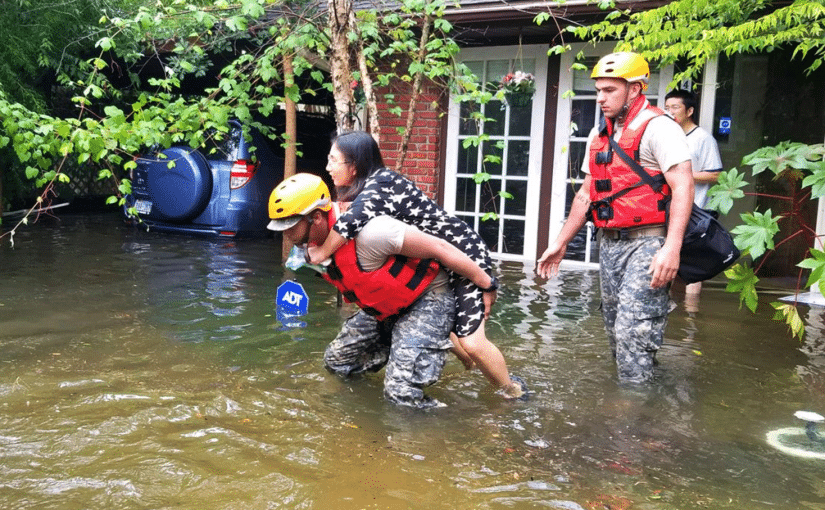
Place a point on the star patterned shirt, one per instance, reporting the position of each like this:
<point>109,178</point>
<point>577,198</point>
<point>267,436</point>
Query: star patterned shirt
<point>388,193</point>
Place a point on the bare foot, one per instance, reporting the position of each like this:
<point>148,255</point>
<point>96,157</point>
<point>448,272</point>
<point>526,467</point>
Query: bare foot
<point>516,390</point>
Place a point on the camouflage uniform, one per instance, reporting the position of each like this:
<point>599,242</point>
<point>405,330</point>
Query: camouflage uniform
<point>413,347</point>
<point>634,315</point>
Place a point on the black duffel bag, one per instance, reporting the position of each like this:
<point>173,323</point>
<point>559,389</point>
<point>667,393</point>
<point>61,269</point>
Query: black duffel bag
<point>707,248</point>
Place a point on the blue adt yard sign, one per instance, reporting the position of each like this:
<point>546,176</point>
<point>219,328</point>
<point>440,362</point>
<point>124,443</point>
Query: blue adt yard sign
<point>292,298</point>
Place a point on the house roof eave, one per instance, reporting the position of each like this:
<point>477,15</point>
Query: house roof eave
<point>471,11</point>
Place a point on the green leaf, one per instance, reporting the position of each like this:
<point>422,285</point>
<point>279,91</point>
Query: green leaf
<point>816,181</point>
<point>541,18</point>
<point>742,279</point>
<point>727,189</point>
<point>481,177</point>
<point>105,44</point>
<point>789,313</point>
<point>816,263</point>
<point>756,235</point>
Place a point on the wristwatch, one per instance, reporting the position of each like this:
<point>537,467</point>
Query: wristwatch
<point>493,285</point>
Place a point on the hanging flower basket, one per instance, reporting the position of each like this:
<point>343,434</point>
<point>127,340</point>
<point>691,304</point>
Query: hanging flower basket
<point>518,99</point>
<point>518,88</point>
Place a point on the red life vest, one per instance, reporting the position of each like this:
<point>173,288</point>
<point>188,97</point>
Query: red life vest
<point>619,198</point>
<point>386,292</point>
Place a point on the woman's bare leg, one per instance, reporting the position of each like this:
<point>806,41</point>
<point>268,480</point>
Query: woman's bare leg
<point>490,361</point>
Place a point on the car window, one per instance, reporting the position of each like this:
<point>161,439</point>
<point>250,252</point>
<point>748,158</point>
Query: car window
<point>224,148</point>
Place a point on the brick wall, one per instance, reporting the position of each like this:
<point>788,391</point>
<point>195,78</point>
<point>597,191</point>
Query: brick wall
<point>423,162</point>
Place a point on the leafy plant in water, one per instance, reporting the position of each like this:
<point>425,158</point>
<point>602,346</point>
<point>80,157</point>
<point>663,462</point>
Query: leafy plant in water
<point>803,167</point>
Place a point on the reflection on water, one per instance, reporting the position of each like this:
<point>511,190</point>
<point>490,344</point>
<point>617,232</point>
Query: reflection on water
<point>140,370</point>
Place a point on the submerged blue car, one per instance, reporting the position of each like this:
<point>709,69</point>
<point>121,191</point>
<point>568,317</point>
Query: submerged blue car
<point>217,191</point>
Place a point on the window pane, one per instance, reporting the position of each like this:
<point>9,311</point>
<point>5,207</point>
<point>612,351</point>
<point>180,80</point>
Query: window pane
<point>491,148</point>
<point>576,250</point>
<point>218,146</point>
<point>495,112</point>
<point>577,157</point>
<point>516,206</point>
<point>583,116</point>
<point>489,196</point>
<point>467,159</point>
<point>469,220</point>
<point>465,195</point>
<point>582,83</point>
<point>576,247</point>
<point>518,157</point>
<point>488,230</point>
<point>496,70</point>
<point>476,67</point>
<point>520,119</point>
<point>513,236</point>
<point>467,126</point>
<point>528,65</point>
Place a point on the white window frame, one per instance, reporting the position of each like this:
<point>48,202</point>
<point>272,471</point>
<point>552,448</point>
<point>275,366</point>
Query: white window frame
<point>538,52</point>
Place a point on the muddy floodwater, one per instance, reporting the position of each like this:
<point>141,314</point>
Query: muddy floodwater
<point>149,371</point>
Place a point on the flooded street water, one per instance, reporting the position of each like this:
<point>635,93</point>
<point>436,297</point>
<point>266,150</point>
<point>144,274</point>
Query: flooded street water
<point>149,371</point>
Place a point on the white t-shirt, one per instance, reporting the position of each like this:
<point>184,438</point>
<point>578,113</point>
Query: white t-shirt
<point>382,237</point>
<point>705,158</point>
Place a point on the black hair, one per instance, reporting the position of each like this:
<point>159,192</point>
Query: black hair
<point>688,98</point>
<point>360,149</point>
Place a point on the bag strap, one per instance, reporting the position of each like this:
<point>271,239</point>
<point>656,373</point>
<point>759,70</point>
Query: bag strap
<point>653,182</point>
<point>609,199</point>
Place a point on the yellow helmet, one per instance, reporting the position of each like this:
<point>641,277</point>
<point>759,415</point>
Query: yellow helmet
<point>296,197</point>
<point>626,65</point>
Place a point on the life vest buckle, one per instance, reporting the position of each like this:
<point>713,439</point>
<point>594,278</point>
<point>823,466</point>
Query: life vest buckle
<point>604,211</point>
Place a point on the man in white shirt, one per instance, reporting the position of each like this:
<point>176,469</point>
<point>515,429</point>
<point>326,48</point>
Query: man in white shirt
<point>705,157</point>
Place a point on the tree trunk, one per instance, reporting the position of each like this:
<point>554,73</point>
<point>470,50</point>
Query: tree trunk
<point>291,151</point>
<point>416,93</point>
<point>339,16</point>
<point>369,94</point>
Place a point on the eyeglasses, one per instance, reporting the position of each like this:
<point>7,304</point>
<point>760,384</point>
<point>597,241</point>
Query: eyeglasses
<point>336,161</point>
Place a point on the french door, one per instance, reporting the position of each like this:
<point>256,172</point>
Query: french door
<point>494,185</point>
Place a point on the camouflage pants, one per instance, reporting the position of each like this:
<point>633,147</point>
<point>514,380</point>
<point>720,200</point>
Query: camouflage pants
<point>413,347</point>
<point>634,315</point>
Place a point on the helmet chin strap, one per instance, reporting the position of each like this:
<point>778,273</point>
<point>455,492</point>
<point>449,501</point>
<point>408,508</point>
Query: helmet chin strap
<point>622,114</point>
<point>627,103</point>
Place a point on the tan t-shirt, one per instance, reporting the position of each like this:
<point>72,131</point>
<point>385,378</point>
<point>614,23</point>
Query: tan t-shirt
<point>383,236</point>
<point>663,143</point>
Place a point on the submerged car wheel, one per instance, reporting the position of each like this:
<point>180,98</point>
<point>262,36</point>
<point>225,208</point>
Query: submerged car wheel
<point>181,191</point>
